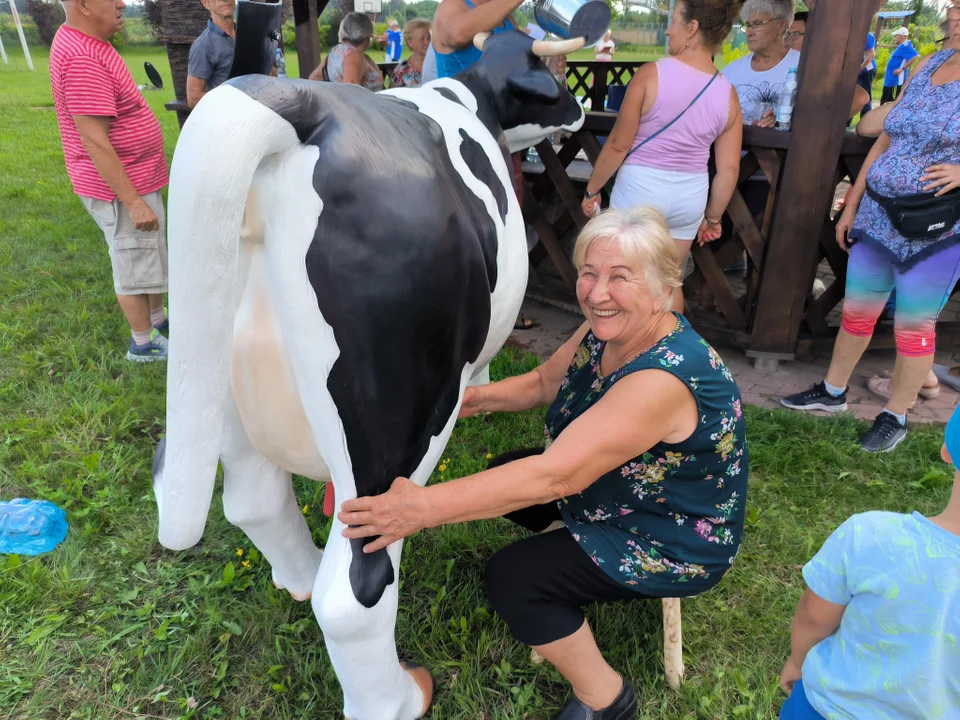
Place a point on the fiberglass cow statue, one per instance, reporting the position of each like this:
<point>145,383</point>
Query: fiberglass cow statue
<point>342,263</point>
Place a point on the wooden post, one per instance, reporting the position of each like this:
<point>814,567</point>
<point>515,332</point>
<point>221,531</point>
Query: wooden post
<point>672,642</point>
<point>305,14</point>
<point>827,79</point>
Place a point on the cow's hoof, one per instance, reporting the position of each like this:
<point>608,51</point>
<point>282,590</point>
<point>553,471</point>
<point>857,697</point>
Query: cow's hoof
<point>299,598</point>
<point>424,680</point>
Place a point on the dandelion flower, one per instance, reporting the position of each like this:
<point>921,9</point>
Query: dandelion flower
<point>306,509</point>
<point>245,564</point>
<point>489,456</point>
<point>239,552</point>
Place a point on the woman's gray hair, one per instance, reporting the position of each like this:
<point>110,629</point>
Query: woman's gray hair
<point>774,8</point>
<point>355,28</point>
<point>645,241</point>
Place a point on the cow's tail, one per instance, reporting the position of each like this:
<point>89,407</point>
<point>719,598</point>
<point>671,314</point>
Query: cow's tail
<point>221,145</point>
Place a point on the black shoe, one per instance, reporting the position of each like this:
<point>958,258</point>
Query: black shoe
<point>885,435</point>
<point>816,398</point>
<point>623,708</point>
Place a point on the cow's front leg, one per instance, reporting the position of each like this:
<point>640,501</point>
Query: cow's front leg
<point>258,498</point>
<point>361,643</point>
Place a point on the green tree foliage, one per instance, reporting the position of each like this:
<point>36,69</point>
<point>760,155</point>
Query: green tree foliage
<point>47,16</point>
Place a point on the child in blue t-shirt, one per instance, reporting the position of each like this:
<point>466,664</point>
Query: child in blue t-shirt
<point>877,633</point>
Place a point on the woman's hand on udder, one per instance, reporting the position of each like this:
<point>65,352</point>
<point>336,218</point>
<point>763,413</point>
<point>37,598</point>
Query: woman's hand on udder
<point>472,402</point>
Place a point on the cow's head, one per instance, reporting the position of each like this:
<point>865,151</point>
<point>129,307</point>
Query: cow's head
<point>529,102</point>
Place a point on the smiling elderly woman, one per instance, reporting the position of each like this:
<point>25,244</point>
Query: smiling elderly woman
<point>644,474</point>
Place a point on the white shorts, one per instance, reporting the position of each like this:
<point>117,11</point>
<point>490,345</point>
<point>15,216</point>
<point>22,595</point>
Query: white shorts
<point>139,257</point>
<point>679,196</point>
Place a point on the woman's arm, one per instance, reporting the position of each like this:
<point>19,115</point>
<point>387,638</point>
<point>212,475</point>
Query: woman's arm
<point>536,388</point>
<point>726,152</point>
<point>455,25</point>
<point>638,412</point>
<point>615,149</point>
<point>859,189</point>
<point>354,65</point>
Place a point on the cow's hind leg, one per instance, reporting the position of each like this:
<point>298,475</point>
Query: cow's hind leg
<point>361,643</point>
<point>258,498</point>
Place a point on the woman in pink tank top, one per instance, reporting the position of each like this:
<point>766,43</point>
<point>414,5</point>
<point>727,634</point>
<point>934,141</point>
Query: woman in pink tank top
<point>669,172</point>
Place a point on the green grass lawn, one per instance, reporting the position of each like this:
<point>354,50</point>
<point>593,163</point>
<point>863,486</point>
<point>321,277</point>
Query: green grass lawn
<point>111,625</point>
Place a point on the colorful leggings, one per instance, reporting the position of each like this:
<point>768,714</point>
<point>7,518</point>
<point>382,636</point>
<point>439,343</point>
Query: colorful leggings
<point>922,291</point>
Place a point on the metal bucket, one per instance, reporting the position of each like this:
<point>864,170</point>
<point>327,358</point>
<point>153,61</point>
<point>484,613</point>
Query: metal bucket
<point>574,18</point>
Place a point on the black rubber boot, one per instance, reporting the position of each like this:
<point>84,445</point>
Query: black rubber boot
<point>623,708</point>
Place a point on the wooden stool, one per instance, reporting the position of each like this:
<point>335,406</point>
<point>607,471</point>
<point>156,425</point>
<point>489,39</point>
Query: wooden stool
<point>672,642</point>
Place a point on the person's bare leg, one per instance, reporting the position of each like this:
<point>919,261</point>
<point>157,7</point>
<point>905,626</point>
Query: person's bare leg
<point>156,301</point>
<point>578,659</point>
<point>909,375</point>
<point>136,308</point>
<point>683,249</point>
<point>847,351</point>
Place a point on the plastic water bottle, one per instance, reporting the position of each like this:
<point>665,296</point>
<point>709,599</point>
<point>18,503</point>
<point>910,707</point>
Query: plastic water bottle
<point>30,527</point>
<point>281,63</point>
<point>787,97</point>
<point>533,156</point>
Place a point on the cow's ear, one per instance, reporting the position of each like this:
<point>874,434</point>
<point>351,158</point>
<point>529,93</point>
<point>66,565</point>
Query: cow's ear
<point>534,85</point>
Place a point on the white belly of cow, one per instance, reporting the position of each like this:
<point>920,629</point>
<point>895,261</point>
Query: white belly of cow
<point>263,381</point>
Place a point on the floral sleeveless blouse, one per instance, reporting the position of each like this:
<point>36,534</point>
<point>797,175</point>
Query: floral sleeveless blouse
<point>924,130</point>
<point>668,522</point>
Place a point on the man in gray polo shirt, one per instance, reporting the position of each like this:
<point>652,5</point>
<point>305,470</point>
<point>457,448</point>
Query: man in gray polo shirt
<point>211,55</point>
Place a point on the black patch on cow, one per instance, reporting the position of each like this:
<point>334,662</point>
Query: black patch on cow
<point>448,94</point>
<point>399,264</point>
<point>479,164</point>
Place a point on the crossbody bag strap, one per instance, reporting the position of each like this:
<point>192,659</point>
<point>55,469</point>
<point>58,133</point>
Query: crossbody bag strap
<point>682,113</point>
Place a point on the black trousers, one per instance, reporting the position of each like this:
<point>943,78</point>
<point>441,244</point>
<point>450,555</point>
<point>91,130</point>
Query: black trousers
<point>538,585</point>
<point>889,94</point>
<point>865,80</point>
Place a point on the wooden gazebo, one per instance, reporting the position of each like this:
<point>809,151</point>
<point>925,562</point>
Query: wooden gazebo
<point>772,314</point>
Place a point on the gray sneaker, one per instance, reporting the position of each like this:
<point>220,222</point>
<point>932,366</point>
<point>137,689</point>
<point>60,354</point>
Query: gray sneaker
<point>816,398</point>
<point>150,352</point>
<point>885,435</point>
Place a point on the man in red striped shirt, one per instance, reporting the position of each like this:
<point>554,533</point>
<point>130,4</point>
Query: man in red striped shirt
<point>113,147</point>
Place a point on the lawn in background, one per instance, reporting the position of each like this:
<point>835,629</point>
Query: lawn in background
<point>111,625</point>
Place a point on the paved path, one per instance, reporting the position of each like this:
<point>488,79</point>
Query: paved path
<point>760,388</point>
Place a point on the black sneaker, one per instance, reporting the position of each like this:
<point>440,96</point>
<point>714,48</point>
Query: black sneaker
<point>885,435</point>
<point>624,707</point>
<point>816,398</point>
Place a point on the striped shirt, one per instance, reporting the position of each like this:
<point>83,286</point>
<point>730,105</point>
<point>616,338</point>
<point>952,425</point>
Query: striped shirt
<point>89,77</point>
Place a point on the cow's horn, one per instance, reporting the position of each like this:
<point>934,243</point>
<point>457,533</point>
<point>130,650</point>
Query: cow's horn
<point>554,48</point>
<point>479,39</point>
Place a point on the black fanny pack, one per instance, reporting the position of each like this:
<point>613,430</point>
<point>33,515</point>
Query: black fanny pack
<point>920,217</point>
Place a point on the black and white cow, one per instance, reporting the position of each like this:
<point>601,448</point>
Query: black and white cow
<point>342,263</point>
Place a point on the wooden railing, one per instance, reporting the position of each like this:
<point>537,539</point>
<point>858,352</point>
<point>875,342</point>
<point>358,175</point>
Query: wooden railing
<point>723,306</point>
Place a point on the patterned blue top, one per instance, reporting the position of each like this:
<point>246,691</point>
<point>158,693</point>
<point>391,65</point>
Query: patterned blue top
<point>924,130</point>
<point>669,521</point>
<point>895,655</point>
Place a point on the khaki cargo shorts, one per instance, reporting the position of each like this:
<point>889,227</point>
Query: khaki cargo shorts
<point>139,258</point>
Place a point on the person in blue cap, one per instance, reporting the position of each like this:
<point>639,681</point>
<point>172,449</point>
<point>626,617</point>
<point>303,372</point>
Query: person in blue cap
<point>875,633</point>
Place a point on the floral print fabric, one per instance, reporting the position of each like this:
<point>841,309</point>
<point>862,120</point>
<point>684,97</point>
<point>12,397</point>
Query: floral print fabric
<point>669,521</point>
<point>405,75</point>
<point>924,130</point>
